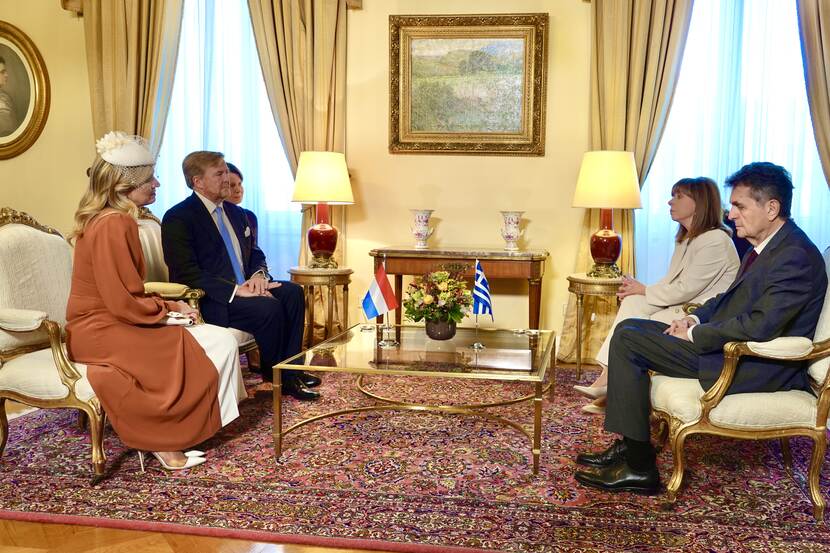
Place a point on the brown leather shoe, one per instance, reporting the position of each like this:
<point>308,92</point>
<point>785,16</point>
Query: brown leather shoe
<point>603,458</point>
<point>622,478</point>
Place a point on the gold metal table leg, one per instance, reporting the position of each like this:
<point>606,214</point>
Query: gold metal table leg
<point>537,427</point>
<point>277,431</point>
<point>578,336</point>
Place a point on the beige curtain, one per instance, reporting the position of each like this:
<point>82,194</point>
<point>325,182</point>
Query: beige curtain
<point>131,50</point>
<point>635,61</point>
<point>814,28</point>
<point>302,51</point>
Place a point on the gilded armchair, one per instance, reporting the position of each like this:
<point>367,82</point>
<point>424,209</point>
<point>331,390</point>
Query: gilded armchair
<point>157,279</point>
<point>684,409</point>
<point>35,278</point>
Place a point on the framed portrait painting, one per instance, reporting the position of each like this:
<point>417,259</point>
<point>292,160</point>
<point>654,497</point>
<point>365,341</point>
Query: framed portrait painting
<point>468,84</point>
<point>24,91</point>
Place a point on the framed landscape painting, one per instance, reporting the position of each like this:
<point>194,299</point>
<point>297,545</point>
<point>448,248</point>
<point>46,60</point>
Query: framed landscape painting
<point>468,84</point>
<point>24,92</point>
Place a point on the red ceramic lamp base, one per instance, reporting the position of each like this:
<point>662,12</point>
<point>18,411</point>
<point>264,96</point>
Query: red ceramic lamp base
<point>322,240</point>
<point>606,246</point>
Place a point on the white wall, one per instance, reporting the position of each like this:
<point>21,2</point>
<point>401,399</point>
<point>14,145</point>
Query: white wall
<point>467,192</point>
<point>47,180</point>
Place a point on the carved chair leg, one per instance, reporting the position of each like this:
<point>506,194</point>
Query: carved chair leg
<point>4,426</point>
<point>677,439</point>
<point>817,460</point>
<point>787,456</point>
<point>96,432</point>
<point>662,434</point>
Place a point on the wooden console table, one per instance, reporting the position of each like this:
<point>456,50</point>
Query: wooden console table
<point>497,264</point>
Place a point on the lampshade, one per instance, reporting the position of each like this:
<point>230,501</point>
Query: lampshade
<point>322,177</point>
<point>607,179</point>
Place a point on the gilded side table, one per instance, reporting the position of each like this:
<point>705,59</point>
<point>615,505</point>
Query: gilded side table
<point>582,285</point>
<point>308,278</point>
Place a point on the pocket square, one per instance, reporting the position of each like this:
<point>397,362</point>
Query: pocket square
<point>247,231</point>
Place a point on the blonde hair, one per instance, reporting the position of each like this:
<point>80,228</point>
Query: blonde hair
<point>108,188</point>
<point>196,163</point>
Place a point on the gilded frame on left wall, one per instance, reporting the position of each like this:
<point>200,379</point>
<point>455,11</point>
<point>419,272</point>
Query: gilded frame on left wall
<point>24,91</point>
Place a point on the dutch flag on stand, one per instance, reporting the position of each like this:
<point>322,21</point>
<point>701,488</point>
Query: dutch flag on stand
<point>482,305</point>
<point>380,298</point>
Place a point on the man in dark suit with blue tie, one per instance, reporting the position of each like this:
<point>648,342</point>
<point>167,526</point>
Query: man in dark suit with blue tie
<point>208,244</point>
<point>779,291</point>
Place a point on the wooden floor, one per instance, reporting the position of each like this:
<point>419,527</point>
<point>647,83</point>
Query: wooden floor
<point>34,537</point>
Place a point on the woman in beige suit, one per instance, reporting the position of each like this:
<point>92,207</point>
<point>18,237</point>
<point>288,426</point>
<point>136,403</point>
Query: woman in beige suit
<point>703,265</point>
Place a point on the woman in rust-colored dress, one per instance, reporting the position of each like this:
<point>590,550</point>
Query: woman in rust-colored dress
<point>163,386</point>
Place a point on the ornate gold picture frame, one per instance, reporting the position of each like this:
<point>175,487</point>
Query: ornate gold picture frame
<point>468,84</point>
<point>24,92</point>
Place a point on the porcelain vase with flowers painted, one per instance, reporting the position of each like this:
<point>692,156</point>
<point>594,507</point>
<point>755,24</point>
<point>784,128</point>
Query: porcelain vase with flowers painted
<point>510,230</point>
<point>420,227</point>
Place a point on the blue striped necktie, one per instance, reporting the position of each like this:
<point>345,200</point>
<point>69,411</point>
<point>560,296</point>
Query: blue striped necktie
<point>226,237</point>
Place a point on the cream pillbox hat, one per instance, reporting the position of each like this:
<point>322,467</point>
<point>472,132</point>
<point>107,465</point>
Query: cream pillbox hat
<point>123,150</point>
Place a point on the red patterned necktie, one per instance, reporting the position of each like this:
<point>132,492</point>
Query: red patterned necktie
<point>750,259</point>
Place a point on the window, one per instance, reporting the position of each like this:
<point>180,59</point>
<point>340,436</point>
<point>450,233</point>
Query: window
<point>740,98</point>
<point>219,103</point>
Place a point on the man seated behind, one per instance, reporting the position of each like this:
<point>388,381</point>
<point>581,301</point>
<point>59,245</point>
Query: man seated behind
<point>208,244</point>
<point>779,291</point>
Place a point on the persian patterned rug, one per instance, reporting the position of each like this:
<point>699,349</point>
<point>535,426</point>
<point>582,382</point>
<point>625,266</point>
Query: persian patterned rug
<point>405,481</point>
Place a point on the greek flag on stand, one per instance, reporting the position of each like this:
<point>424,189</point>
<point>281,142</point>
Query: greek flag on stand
<point>482,304</point>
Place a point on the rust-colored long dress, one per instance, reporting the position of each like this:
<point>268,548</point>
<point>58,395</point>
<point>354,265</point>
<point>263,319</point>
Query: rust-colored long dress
<point>156,384</point>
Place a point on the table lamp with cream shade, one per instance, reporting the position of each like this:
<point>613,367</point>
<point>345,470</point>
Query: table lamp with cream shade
<point>607,180</point>
<point>322,179</point>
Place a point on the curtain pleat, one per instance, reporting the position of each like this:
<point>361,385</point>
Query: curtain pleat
<point>814,30</point>
<point>302,51</point>
<point>131,49</point>
<point>637,48</point>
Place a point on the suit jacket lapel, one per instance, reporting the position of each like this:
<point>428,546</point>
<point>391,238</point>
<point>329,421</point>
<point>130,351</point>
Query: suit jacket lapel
<point>677,261</point>
<point>766,255</point>
<point>205,219</point>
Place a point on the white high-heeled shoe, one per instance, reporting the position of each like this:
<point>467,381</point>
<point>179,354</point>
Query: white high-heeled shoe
<point>594,409</point>
<point>593,392</point>
<point>192,461</point>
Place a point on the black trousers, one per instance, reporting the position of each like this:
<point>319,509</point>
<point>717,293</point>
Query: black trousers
<point>276,321</point>
<point>638,346</point>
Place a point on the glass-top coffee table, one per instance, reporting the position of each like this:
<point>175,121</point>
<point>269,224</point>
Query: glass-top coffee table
<point>508,355</point>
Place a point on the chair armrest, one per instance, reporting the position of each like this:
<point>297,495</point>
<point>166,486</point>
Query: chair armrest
<point>173,291</point>
<point>21,320</point>
<point>785,347</point>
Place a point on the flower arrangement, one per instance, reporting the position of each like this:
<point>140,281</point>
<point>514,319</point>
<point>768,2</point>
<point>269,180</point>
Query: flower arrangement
<point>438,296</point>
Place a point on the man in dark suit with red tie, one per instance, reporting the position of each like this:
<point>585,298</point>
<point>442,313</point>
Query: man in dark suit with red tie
<point>779,291</point>
<point>208,244</point>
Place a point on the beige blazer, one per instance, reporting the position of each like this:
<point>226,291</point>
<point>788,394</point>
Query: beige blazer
<point>700,268</point>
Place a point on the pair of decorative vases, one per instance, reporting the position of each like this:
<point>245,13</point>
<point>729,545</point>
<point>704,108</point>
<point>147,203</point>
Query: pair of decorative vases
<point>510,230</point>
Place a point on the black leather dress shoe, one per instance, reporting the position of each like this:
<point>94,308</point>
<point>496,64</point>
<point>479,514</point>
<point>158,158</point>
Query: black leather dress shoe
<point>294,387</point>
<point>620,477</point>
<point>603,458</point>
<point>309,380</point>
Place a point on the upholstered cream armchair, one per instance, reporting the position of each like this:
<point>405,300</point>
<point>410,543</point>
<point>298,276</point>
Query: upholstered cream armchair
<point>157,280</point>
<point>684,409</point>
<point>35,278</point>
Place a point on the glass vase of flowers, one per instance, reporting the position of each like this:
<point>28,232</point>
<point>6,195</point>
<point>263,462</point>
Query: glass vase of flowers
<point>440,298</point>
